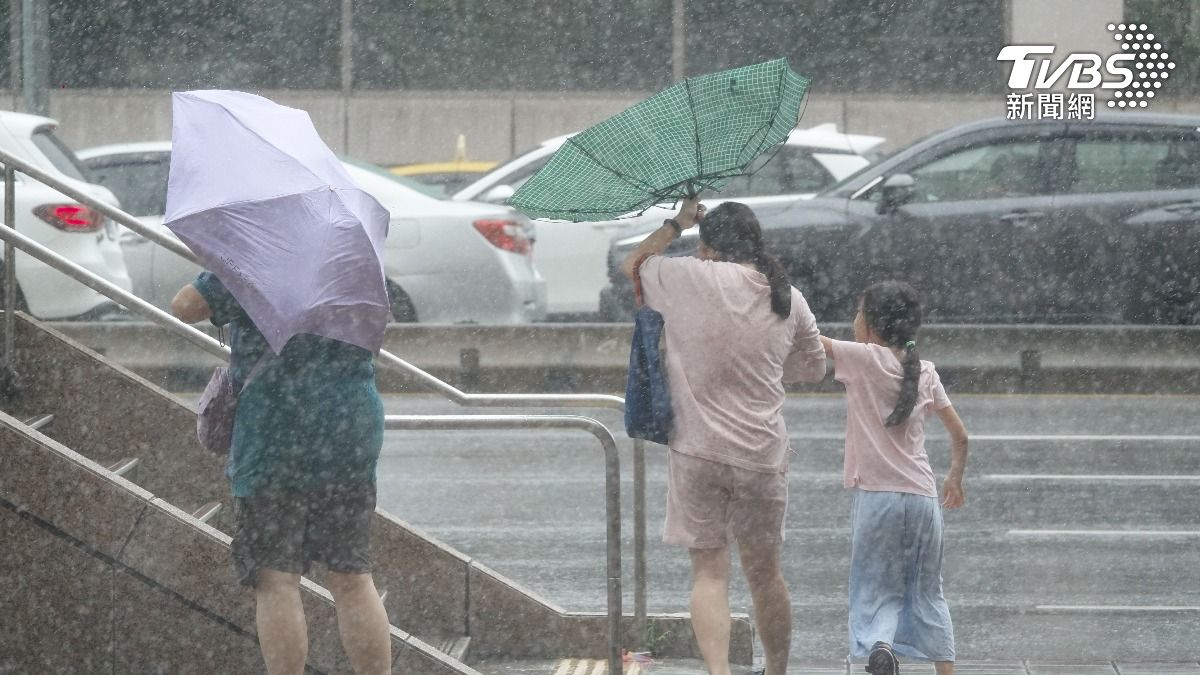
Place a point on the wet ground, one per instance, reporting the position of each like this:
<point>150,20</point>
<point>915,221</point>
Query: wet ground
<point>1080,540</point>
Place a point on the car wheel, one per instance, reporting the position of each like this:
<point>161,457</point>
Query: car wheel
<point>402,307</point>
<point>1170,302</point>
<point>613,307</point>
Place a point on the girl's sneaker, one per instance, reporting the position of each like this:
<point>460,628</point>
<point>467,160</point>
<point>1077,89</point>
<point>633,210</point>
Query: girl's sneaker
<point>882,660</point>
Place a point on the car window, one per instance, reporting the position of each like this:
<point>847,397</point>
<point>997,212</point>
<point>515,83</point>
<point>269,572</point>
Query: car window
<point>59,154</point>
<point>790,171</point>
<point>982,172</point>
<point>140,185</point>
<point>1131,164</point>
<point>517,178</point>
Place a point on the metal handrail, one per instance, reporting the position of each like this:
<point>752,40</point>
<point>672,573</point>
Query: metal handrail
<point>385,357</point>
<point>612,490</point>
<point>16,240</point>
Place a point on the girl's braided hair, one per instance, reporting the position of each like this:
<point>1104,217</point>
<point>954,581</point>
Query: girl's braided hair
<point>893,310</point>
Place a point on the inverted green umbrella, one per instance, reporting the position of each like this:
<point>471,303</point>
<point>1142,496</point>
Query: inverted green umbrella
<point>694,136</point>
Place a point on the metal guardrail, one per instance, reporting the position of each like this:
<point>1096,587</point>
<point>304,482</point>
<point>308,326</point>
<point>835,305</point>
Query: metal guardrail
<point>386,358</point>
<point>18,241</point>
<point>612,482</point>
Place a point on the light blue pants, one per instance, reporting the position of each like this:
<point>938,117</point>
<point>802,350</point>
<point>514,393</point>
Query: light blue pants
<point>896,576</point>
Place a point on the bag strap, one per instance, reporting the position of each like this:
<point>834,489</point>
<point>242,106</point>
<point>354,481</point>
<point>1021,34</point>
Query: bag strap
<point>637,280</point>
<point>258,366</point>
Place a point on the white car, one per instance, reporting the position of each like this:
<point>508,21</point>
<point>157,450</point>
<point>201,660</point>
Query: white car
<point>446,262</point>
<point>572,256</point>
<point>74,231</point>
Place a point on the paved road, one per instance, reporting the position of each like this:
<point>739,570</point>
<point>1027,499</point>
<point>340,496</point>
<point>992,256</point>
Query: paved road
<point>1080,539</point>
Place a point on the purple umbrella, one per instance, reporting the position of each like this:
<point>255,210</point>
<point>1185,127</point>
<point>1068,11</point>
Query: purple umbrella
<point>268,207</point>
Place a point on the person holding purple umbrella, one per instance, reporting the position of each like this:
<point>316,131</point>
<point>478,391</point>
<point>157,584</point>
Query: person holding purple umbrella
<point>294,250</point>
<point>306,439</point>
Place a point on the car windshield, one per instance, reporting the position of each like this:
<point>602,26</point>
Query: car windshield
<point>875,157</point>
<point>59,154</point>
<point>434,191</point>
<point>140,185</point>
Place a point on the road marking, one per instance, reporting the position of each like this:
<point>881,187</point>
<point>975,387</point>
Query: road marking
<point>817,436</point>
<point>1084,437</point>
<point>1087,477</point>
<point>1166,534</point>
<point>1118,608</point>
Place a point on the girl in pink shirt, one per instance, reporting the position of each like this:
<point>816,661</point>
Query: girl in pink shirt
<point>896,601</point>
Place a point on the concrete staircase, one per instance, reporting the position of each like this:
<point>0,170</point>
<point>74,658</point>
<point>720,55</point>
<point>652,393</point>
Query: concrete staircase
<point>117,520</point>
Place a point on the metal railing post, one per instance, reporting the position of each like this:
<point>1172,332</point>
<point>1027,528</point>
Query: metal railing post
<point>10,265</point>
<point>639,538</point>
<point>612,488</point>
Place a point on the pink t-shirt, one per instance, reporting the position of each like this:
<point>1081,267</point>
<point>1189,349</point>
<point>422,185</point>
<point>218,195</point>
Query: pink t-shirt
<point>727,356</point>
<point>878,457</point>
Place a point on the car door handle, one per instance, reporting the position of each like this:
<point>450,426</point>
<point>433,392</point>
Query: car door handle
<point>1022,218</point>
<point>1182,207</point>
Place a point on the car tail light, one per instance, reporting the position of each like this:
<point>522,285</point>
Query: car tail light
<point>505,234</point>
<point>71,217</point>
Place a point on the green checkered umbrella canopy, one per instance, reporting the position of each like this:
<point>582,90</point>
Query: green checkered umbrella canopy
<point>691,137</point>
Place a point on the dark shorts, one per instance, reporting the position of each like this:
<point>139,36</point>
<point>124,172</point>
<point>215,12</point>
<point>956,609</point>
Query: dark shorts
<point>288,530</point>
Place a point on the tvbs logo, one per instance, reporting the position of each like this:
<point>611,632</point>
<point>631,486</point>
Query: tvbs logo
<point>1083,71</point>
<point>1133,74</point>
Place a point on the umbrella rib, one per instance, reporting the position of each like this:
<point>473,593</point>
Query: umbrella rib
<point>770,123</point>
<point>687,87</point>
<point>628,179</point>
<point>250,200</point>
<point>281,151</point>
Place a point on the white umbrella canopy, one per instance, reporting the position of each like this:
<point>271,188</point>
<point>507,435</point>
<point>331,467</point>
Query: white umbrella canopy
<point>266,206</point>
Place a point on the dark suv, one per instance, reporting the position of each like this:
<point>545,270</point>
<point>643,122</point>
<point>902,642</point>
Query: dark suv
<point>1094,221</point>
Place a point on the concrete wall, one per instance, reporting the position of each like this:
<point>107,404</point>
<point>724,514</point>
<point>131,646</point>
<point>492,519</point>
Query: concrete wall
<point>595,357</point>
<point>420,126</point>
<point>1070,25</point>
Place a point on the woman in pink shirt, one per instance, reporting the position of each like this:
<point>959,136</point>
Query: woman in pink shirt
<point>735,331</point>
<point>896,601</point>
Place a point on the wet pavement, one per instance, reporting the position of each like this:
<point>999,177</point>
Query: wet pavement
<point>1079,544</point>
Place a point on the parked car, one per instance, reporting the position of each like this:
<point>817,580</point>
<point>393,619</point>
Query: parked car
<point>571,255</point>
<point>444,178</point>
<point>446,262</point>
<point>60,223</point>
<point>1094,221</point>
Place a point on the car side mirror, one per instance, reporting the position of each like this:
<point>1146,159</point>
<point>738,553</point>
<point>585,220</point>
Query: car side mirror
<point>499,194</point>
<point>896,191</point>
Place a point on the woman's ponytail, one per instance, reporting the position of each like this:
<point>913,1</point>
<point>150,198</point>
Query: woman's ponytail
<point>733,231</point>
<point>777,277</point>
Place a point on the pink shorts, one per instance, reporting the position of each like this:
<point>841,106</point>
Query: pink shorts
<point>709,503</point>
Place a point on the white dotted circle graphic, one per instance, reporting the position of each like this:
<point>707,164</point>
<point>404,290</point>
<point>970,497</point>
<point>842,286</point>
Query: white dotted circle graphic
<point>1147,61</point>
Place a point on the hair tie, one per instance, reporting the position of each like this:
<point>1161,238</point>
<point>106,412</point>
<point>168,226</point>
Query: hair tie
<point>911,344</point>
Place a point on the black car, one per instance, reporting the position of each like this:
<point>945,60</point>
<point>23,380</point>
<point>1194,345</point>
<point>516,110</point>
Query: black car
<point>1002,221</point>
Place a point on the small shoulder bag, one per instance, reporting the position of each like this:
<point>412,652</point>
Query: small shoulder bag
<point>647,398</point>
<point>217,408</point>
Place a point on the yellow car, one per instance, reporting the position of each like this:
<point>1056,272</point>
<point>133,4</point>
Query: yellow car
<point>449,177</point>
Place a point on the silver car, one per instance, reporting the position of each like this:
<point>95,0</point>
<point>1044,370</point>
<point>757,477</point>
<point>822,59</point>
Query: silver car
<point>446,261</point>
